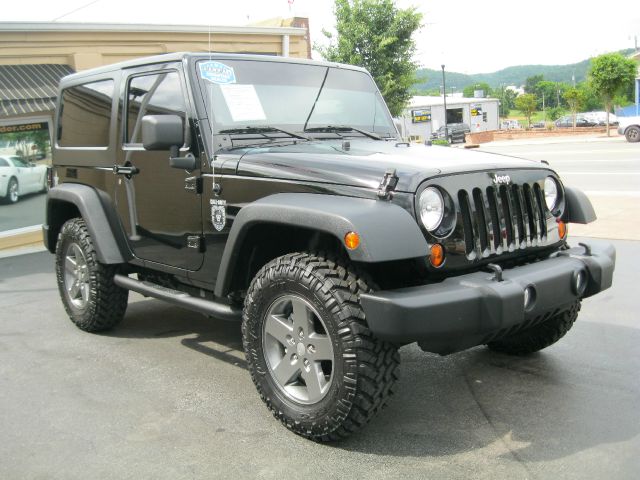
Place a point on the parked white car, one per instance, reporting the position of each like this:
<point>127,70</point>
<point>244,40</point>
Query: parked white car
<point>18,177</point>
<point>630,128</point>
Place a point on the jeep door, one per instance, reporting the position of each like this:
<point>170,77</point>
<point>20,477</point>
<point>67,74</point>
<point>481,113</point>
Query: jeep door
<point>161,216</point>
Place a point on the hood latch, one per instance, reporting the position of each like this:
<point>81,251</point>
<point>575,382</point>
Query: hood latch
<point>388,183</point>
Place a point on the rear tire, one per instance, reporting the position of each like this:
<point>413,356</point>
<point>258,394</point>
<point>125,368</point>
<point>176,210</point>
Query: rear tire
<point>632,134</point>
<point>539,336</point>
<point>92,300</point>
<point>311,356</point>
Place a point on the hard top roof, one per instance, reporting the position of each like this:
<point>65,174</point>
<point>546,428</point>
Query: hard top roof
<point>181,56</point>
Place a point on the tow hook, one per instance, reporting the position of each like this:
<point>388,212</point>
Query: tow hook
<point>497,272</point>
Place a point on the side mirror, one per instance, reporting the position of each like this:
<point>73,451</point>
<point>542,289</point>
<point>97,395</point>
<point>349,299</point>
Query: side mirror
<point>161,132</point>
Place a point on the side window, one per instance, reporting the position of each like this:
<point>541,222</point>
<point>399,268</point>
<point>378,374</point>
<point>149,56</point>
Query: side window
<point>85,115</point>
<point>157,94</point>
<point>3,163</point>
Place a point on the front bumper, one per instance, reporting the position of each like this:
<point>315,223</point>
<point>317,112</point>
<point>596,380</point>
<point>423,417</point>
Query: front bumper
<point>472,309</point>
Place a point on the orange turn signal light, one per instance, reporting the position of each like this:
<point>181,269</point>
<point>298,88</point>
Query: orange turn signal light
<point>562,229</point>
<point>436,258</point>
<point>352,240</point>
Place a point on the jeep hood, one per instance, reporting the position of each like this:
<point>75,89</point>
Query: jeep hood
<point>364,162</point>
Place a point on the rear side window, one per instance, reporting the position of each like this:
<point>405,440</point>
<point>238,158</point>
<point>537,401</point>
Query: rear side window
<point>3,163</point>
<point>85,115</point>
<point>157,94</point>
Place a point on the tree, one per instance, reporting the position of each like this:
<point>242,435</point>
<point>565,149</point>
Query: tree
<point>469,90</point>
<point>377,35</point>
<point>532,82</point>
<point>610,74</point>
<point>575,100</point>
<point>527,104</point>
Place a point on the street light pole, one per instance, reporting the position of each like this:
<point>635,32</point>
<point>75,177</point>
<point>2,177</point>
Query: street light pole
<point>444,96</point>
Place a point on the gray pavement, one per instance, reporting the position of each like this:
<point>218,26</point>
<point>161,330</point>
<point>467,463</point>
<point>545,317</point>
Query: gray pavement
<point>27,212</point>
<point>166,395</point>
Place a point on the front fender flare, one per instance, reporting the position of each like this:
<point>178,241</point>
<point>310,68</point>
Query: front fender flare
<point>387,231</point>
<point>578,207</point>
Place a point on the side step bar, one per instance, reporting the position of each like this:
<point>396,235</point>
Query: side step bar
<point>219,310</point>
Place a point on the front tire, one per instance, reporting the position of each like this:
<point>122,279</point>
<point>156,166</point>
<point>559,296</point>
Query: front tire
<point>92,300</point>
<point>311,356</point>
<point>632,134</point>
<point>539,336</point>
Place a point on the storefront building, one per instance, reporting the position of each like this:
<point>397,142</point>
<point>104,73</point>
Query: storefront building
<point>35,56</point>
<point>426,114</point>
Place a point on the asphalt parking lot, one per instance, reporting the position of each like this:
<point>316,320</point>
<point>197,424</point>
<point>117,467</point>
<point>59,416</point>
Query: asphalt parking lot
<point>166,395</point>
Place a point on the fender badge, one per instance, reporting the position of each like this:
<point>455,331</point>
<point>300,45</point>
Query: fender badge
<point>500,179</point>
<point>218,213</point>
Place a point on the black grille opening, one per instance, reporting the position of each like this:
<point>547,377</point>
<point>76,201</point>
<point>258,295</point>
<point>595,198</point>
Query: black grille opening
<point>481,218</point>
<point>541,209</point>
<point>506,213</point>
<point>465,211</point>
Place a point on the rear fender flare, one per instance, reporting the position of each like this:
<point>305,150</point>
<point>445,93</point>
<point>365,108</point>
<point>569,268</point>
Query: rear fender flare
<point>98,213</point>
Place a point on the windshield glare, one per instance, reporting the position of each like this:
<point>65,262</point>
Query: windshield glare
<point>245,93</point>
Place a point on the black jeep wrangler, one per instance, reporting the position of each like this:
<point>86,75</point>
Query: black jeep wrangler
<point>276,192</point>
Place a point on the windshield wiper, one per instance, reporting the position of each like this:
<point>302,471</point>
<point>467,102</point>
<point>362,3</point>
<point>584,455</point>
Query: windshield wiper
<point>343,128</point>
<point>262,129</point>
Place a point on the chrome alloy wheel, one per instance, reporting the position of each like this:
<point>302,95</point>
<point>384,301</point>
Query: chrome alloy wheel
<point>298,350</point>
<point>76,276</point>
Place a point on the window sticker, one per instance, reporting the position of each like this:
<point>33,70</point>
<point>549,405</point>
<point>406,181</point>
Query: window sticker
<point>216,72</point>
<point>243,102</point>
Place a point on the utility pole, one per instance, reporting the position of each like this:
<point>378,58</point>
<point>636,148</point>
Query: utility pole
<point>544,114</point>
<point>444,96</point>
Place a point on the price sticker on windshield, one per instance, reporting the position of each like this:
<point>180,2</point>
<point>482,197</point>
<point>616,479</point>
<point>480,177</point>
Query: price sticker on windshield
<point>243,102</point>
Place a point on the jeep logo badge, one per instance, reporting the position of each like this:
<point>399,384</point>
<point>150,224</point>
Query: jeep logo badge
<point>500,179</point>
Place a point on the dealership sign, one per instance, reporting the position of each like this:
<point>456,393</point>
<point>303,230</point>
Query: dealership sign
<point>420,116</point>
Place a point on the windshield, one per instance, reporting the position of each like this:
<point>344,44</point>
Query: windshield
<point>248,93</point>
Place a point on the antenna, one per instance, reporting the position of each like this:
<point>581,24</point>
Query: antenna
<point>212,162</point>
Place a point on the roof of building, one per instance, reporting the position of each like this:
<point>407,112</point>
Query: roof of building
<point>423,101</point>
<point>29,88</point>
<point>131,27</point>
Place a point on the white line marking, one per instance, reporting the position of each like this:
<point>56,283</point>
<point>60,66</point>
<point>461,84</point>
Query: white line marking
<point>566,172</point>
<point>613,193</point>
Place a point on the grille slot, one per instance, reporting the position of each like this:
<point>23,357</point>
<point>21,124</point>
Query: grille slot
<point>502,218</point>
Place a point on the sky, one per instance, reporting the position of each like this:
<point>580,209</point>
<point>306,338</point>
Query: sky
<point>466,36</point>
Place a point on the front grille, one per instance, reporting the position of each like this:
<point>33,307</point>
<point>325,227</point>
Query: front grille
<point>502,218</point>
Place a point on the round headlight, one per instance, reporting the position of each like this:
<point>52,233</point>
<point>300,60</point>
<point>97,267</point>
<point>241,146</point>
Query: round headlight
<point>431,208</point>
<point>551,195</point>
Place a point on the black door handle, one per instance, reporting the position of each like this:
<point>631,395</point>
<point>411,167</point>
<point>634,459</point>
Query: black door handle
<point>127,171</point>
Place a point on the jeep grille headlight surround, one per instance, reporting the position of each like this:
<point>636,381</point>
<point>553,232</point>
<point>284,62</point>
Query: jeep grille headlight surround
<point>551,193</point>
<point>431,207</point>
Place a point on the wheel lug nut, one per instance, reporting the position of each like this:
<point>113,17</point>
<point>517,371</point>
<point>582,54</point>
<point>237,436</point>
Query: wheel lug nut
<point>294,358</point>
<point>307,365</point>
<point>301,333</point>
<point>311,349</point>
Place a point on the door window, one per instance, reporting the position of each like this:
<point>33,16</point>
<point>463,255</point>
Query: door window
<point>157,94</point>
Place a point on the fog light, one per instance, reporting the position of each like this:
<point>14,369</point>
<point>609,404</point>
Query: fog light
<point>529,297</point>
<point>579,282</point>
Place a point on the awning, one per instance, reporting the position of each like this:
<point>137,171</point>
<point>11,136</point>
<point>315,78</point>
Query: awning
<point>28,89</point>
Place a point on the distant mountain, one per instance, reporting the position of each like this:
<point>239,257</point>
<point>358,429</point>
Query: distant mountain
<point>430,79</point>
